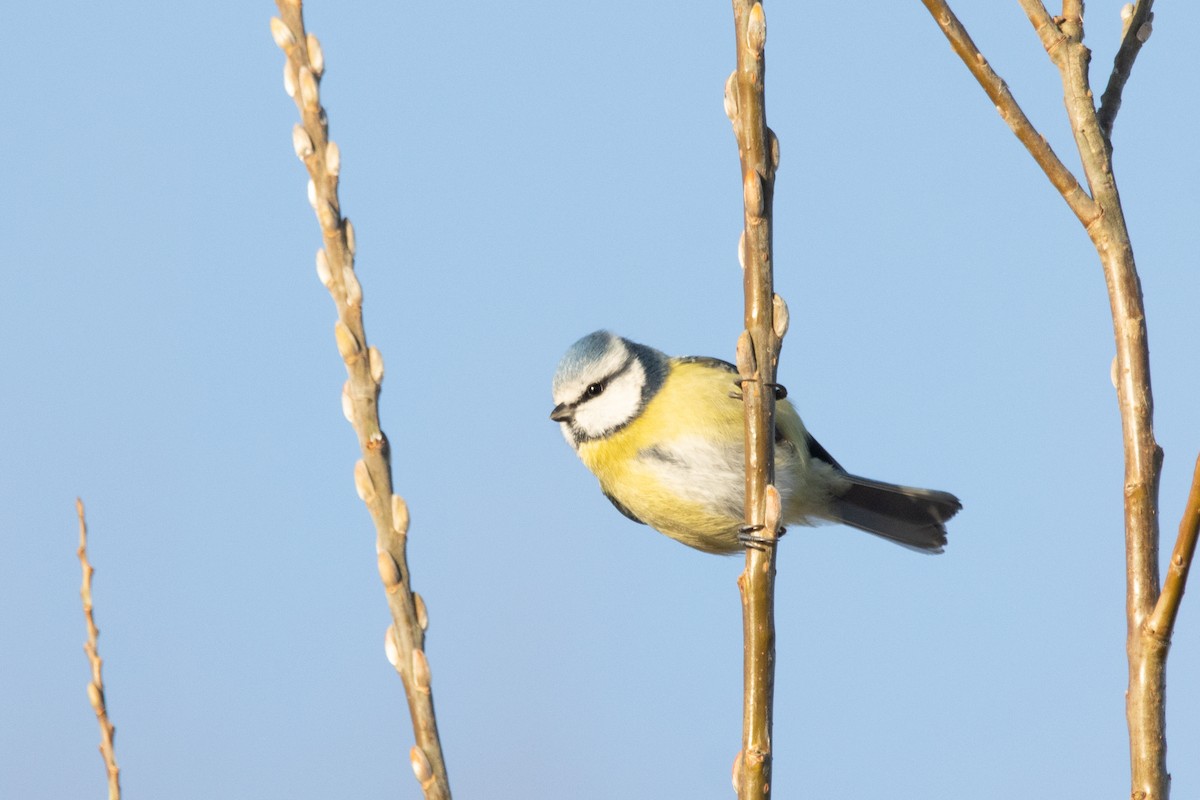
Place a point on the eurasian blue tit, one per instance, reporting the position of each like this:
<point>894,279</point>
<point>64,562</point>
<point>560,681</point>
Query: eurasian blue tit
<point>666,441</point>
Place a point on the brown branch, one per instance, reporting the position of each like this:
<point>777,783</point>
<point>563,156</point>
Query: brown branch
<point>997,90</point>
<point>1072,19</point>
<point>95,688</point>
<point>405,640</point>
<point>1135,31</point>
<point>1045,26</point>
<point>1104,222</point>
<point>1161,623</point>
<point>1145,705</point>
<point>757,358</point>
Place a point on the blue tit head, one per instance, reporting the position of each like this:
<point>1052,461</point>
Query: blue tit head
<point>603,383</point>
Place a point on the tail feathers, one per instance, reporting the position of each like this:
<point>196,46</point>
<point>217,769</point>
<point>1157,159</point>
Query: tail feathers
<point>914,518</point>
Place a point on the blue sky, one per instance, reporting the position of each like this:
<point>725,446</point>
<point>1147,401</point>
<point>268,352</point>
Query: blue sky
<point>519,176</point>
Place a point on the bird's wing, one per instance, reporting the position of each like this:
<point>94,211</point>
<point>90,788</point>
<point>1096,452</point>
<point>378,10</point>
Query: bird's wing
<point>815,450</point>
<point>716,363</point>
<point>622,508</point>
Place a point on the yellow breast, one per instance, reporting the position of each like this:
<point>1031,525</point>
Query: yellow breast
<point>678,465</point>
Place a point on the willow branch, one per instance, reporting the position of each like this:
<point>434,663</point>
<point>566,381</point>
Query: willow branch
<point>95,688</point>
<point>1162,621</point>
<point>1145,704</point>
<point>1135,30</point>
<point>757,359</point>
<point>1043,24</point>
<point>405,640</point>
<point>997,90</point>
<point>1104,222</point>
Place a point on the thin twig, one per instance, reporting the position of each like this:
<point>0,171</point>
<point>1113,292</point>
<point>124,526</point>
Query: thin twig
<point>1161,623</point>
<point>757,358</point>
<point>997,90</point>
<point>1072,19</point>
<point>405,639</point>
<point>95,688</point>
<point>1135,31</point>
<point>1045,26</point>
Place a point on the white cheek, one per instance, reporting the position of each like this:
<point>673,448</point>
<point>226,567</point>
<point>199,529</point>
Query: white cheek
<point>566,432</point>
<point>617,406</point>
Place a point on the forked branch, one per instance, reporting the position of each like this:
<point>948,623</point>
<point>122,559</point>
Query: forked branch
<point>997,90</point>
<point>1104,220</point>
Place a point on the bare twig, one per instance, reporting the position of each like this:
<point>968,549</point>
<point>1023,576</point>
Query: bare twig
<point>997,90</point>
<point>1162,622</point>
<point>1105,225</point>
<point>95,688</point>
<point>757,359</point>
<point>1145,705</point>
<point>1136,24</point>
<point>1043,24</point>
<point>405,640</point>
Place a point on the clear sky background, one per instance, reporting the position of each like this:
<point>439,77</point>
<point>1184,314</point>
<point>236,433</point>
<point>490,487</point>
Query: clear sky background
<point>520,175</point>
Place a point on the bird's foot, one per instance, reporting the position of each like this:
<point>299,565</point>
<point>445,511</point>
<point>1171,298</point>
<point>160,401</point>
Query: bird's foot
<point>747,536</point>
<point>779,388</point>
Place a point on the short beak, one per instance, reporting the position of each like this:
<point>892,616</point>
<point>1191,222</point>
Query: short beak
<point>562,413</point>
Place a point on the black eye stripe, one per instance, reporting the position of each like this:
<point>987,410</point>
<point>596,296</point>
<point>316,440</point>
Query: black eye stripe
<point>604,382</point>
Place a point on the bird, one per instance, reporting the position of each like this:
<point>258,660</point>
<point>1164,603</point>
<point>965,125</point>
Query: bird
<point>664,437</point>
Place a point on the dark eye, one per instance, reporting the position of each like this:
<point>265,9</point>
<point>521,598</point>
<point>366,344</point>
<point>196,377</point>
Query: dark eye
<point>595,390</point>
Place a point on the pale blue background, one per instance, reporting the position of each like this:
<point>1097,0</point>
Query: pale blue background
<point>519,175</point>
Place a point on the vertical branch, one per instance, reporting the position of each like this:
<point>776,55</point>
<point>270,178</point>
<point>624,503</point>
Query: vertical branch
<point>405,639</point>
<point>757,359</point>
<point>96,685</point>
<point>1145,703</point>
<point>1149,617</point>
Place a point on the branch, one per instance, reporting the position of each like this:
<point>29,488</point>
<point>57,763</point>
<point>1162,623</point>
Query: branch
<point>1045,26</point>
<point>1072,19</point>
<point>1145,704</point>
<point>757,359</point>
<point>1137,23</point>
<point>997,90</point>
<point>1161,623</point>
<point>96,686</point>
<point>405,640</point>
<point>1104,221</point>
